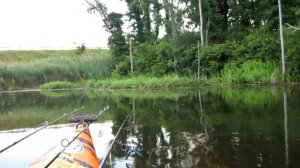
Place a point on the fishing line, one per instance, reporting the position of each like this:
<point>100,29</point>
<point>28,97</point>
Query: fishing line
<point>112,143</point>
<point>45,125</point>
<point>102,111</point>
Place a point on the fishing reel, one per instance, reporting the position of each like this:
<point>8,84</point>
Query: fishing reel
<point>132,146</point>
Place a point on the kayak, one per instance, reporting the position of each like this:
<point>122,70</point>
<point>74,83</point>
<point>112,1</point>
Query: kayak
<point>76,151</point>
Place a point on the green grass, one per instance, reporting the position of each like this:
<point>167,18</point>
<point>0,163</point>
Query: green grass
<point>250,72</point>
<point>58,85</point>
<point>28,69</point>
<point>143,82</point>
<point>19,55</point>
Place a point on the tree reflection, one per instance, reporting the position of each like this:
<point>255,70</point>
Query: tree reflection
<point>217,127</point>
<point>286,131</point>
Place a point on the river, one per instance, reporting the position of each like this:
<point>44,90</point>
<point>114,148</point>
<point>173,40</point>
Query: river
<point>211,127</point>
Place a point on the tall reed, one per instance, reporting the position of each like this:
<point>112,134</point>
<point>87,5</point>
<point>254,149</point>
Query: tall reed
<point>32,72</point>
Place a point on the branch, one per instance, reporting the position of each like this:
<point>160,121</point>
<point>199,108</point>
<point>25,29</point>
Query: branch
<point>97,6</point>
<point>293,27</point>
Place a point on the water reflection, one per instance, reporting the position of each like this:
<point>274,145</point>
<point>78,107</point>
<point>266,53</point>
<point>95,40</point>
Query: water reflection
<point>216,127</point>
<point>286,131</point>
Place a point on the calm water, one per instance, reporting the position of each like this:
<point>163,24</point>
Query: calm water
<point>213,127</point>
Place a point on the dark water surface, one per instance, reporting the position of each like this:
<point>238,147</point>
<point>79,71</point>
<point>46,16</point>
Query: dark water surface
<point>213,127</point>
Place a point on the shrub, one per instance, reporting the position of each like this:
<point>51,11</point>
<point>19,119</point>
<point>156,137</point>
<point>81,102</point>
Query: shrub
<point>249,72</point>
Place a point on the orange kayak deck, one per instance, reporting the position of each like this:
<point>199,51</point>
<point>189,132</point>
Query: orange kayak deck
<point>80,153</point>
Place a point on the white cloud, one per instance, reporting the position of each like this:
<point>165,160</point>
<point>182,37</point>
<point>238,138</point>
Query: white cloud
<point>36,24</point>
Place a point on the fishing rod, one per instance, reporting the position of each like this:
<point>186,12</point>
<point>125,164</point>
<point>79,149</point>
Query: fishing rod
<point>102,111</point>
<point>45,125</point>
<point>112,143</point>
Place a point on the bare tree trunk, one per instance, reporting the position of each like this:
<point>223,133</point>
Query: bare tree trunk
<point>173,34</point>
<point>201,24</point>
<point>133,111</point>
<point>286,131</point>
<point>201,109</point>
<point>131,59</point>
<point>198,46</point>
<point>206,33</point>
<point>281,39</point>
<point>201,36</point>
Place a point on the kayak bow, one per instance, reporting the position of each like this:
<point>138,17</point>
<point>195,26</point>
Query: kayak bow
<point>78,151</point>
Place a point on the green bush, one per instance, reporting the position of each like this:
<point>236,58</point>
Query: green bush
<point>250,72</point>
<point>260,45</point>
<point>293,54</point>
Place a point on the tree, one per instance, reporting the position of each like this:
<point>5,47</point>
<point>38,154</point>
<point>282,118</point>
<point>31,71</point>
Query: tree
<point>135,15</point>
<point>201,35</point>
<point>167,20</point>
<point>116,41</point>
<point>157,19</point>
<point>97,6</point>
<point>81,49</point>
<point>215,15</point>
<point>146,15</point>
<point>281,39</point>
<point>292,36</point>
<point>113,24</point>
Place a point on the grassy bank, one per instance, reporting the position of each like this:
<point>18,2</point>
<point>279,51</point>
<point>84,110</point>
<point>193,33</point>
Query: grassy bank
<point>139,82</point>
<point>142,82</point>
<point>252,72</point>
<point>146,83</point>
<point>92,69</point>
<point>28,69</point>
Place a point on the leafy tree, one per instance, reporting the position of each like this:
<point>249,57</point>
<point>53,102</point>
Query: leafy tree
<point>214,14</point>
<point>293,48</point>
<point>146,15</point>
<point>116,41</point>
<point>135,15</point>
<point>81,49</point>
<point>167,21</point>
<point>113,24</point>
<point>240,32</point>
<point>157,19</point>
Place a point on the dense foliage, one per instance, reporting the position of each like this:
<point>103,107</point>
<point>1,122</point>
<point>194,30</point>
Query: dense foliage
<point>237,34</point>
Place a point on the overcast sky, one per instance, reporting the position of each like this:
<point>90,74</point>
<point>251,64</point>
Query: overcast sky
<point>52,24</point>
